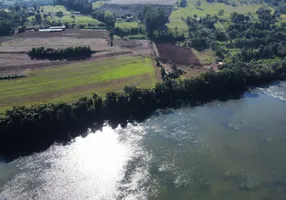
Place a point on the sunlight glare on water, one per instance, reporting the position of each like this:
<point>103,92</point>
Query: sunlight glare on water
<point>89,168</point>
<point>218,151</point>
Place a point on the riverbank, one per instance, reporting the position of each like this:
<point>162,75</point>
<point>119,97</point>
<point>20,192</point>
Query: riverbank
<point>222,150</point>
<point>28,129</point>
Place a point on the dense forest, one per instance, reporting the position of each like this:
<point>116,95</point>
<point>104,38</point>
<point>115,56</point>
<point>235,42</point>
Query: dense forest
<point>69,53</point>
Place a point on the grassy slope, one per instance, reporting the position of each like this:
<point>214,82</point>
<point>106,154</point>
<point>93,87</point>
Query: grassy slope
<point>79,19</point>
<point>98,4</point>
<point>126,25</point>
<point>54,9</point>
<point>204,9</point>
<point>205,57</point>
<point>70,82</point>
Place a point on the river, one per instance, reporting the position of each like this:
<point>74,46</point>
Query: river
<point>219,151</point>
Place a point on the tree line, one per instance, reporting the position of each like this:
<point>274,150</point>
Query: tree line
<point>11,76</point>
<point>22,129</point>
<point>69,53</point>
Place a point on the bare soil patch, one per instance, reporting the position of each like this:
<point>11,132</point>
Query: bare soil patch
<point>21,63</point>
<point>178,55</point>
<point>14,58</point>
<point>22,44</point>
<point>139,46</point>
<point>77,33</point>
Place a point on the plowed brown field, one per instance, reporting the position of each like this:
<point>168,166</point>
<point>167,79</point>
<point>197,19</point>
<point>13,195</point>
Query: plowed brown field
<point>178,55</point>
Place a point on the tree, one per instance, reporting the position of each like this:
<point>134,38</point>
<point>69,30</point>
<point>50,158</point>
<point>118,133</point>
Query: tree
<point>38,18</point>
<point>154,19</point>
<point>60,14</point>
<point>221,12</point>
<point>35,6</point>
<point>183,3</point>
<point>73,17</point>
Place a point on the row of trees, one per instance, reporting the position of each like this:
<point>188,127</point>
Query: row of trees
<point>11,76</point>
<point>70,53</point>
<point>27,127</point>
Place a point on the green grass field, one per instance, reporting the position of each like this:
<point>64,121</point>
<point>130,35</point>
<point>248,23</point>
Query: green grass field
<point>126,25</point>
<point>205,8</point>
<point>205,57</point>
<point>79,19</point>
<point>54,9</point>
<point>70,82</point>
<point>98,4</point>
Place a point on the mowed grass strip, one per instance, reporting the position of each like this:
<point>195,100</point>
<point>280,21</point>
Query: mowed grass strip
<point>70,82</point>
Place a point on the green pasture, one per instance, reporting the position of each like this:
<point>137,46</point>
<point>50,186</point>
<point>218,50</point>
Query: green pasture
<point>70,82</point>
<point>212,9</point>
<point>176,17</point>
<point>79,19</point>
<point>179,26</point>
<point>98,4</point>
<point>205,57</point>
<point>126,25</point>
<point>55,9</point>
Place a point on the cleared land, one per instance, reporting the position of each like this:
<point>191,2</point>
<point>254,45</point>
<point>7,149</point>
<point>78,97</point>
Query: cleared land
<point>76,33</point>
<point>70,82</point>
<point>205,57</point>
<point>178,55</point>
<point>14,58</point>
<point>54,9</point>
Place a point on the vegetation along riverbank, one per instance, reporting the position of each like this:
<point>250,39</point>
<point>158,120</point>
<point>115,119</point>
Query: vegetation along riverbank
<point>225,52</point>
<point>23,129</point>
